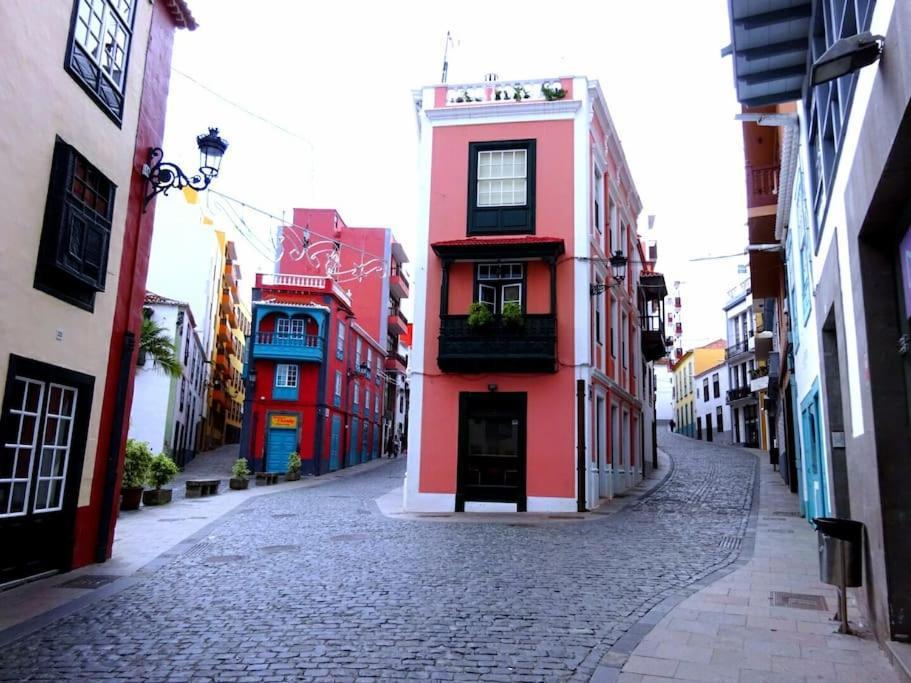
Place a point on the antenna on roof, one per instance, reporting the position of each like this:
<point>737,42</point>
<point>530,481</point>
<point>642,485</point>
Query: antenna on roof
<point>446,55</point>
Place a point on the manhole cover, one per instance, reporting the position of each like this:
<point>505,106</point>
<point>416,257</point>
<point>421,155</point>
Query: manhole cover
<point>279,548</point>
<point>89,581</point>
<point>223,559</point>
<point>799,601</point>
<point>350,537</point>
<point>730,543</point>
<point>283,515</point>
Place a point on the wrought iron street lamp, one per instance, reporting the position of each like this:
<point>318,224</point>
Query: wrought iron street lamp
<point>164,175</point>
<point>618,269</point>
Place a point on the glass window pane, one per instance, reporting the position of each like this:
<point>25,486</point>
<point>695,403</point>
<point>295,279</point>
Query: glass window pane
<point>41,496</point>
<point>5,489</point>
<point>17,503</point>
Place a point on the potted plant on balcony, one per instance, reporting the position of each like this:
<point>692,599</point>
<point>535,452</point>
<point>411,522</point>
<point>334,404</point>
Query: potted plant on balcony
<point>161,471</point>
<point>294,467</point>
<point>519,93</point>
<point>240,474</point>
<point>136,460</point>
<point>512,315</point>
<point>553,91</point>
<point>479,316</point>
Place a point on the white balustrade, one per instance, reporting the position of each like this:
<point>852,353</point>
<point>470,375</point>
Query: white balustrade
<point>517,91</point>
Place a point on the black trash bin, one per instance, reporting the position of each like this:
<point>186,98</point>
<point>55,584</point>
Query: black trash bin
<point>840,544</point>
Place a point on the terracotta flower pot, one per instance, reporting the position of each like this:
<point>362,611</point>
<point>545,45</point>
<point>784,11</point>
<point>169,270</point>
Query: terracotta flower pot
<point>130,498</point>
<point>156,496</point>
<point>238,484</point>
<point>292,476</point>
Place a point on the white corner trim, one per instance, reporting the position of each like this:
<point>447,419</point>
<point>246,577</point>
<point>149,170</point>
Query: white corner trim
<point>477,506</point>
<point>549,504</point>
<point>428,502</point>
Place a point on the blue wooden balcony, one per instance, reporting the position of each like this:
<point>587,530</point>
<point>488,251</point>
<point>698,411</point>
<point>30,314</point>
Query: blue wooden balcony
<point>302,347</point>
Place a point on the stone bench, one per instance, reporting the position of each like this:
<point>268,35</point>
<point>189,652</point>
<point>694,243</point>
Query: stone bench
<point>266,478</point>
<point>199,488</point>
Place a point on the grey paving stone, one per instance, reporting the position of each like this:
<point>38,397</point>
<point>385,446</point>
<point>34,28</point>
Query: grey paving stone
<point>363,597</point>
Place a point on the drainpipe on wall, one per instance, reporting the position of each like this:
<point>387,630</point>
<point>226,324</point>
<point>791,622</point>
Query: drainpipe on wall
<point>580,445</point>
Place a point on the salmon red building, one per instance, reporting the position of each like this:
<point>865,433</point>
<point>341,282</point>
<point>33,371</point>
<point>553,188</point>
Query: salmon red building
<point>529,379</point>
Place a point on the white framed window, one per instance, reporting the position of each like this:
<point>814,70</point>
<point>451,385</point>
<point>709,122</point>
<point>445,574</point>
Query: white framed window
<point>511,294</point>
<point>338,383</point>
<point>487,295</point>
<point>293,327</point>
<point>19,451</point>
<point>357,393</point>
<point>614,322</point>
<point>286,376</point>
<point>357,351</point>
<point>501,271</point>
<point>379,367</point>
<point>624,335</point>
<point>340,341</point>
<point>613,227</point>
<point>367,400</point>
<point>369,358</point>
<point>598,209</point>
<point>376,404</point>
<point>502,177</point>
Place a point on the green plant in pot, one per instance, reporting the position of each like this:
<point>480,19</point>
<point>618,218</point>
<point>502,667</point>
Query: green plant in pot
<point>240,475</point>
<point>161,471</point>
<point>479,316</point>
<point>294,467</point>
<point>512,315</point>
<point>136,461</point>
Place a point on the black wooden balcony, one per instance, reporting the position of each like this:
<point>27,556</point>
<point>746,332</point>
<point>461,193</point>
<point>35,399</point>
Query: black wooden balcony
<point>498,347</point>
<point>653,339</point>
<point>738,394</point>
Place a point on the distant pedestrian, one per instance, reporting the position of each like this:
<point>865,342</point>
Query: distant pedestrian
<point>673,424</point>
<point>396,445</point>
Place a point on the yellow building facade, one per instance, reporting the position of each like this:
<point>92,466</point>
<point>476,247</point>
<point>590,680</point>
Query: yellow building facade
<point>693,362</point>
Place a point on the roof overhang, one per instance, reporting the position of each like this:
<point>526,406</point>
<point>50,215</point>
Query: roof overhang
<point>653,286</point>
<point>181,14</point>
<point>398,252</point>
<point>499,248</point>
<point>769,47</point>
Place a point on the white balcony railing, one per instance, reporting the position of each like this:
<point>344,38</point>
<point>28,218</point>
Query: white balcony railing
<point>500,91</point>
<point>310,281</point>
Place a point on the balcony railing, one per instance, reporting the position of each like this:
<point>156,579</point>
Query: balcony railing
<point>500,92</point>
<point>762,185</point>
<point>288,346</point>
<point>530,346</point>
<point>398,323</point>
<point>398,283</point>
<point>736,349</point>
<point>738,393</point>
<point>396,363</point>
<point>654,344</point>
<point>303,281</point>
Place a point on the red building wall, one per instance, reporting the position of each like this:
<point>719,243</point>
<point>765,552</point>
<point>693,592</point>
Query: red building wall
<point>94,532</point>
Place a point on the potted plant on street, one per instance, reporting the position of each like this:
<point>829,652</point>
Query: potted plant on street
<point>136,460</point>
<point>479,315</point>
<point>240,474</point>
<point>294,467</point>
<point>161,471</point>
<point>512,315</point>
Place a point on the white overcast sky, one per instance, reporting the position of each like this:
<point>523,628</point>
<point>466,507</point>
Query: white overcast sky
<point>339,76</point>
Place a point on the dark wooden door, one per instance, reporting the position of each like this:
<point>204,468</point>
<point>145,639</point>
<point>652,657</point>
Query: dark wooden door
<point>492,434</point>
<point>43,427</point>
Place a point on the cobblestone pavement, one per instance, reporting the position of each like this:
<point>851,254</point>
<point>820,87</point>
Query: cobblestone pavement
<point>316,584</point>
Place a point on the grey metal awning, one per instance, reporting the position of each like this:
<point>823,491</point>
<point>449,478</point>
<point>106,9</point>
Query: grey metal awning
<point>769,44</point>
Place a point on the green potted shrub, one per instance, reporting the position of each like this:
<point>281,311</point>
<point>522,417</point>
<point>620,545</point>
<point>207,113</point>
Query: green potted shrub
<point>294,467</point>
<point>240,474</point>
<point>512,315</point>
<point>479,315</point>
<point>553,91</point>
<point>161,471</point>
<point>136,460</point>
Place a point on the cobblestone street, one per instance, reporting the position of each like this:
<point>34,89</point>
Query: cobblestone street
<point>317,584</point>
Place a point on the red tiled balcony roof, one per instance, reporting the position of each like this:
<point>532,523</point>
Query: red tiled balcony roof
<point>531,245</point>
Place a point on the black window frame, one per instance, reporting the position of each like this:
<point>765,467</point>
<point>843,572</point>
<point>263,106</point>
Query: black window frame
<point>716,385</point>
<point>57,271</point>
<point>503,215</point>
<point>94,91</point>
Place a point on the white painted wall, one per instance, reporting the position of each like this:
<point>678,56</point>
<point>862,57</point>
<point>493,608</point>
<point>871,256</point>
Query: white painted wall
<point>707,409</point>
<point>664,394</point>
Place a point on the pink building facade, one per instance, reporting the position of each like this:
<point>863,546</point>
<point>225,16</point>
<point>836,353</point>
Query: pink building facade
<point>529,380</point>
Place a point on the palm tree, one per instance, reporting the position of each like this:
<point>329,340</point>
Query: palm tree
<point>155,344</point>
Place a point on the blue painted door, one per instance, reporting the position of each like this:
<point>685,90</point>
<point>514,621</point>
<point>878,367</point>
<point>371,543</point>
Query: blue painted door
<point>365,444</point>
<point>376,441</point>
<point>281,443</point>
<point>354,445</point>
<point>334,441</point>
<point>813,458</point>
